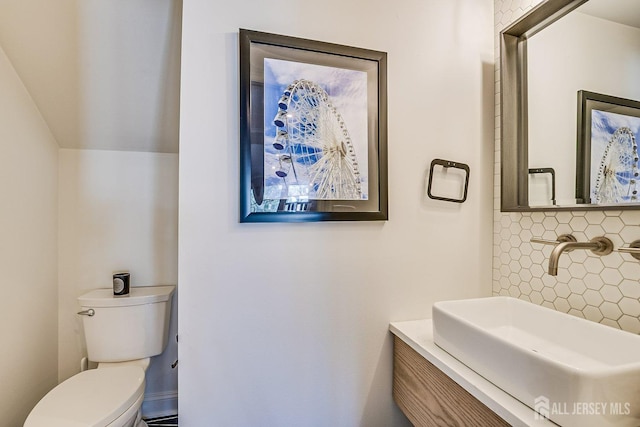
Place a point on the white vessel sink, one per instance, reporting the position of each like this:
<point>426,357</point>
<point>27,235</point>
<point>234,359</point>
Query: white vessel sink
<point>577,372</point>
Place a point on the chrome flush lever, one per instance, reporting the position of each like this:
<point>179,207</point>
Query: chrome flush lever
<point>90,312</point>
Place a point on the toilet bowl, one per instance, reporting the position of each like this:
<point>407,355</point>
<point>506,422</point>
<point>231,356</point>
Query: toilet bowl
<point>121,335</point>
<point>99,397</point>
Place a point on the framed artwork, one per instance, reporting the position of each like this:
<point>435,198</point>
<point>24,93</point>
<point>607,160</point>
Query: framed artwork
<point>607,150</point>
<point>313,130</point>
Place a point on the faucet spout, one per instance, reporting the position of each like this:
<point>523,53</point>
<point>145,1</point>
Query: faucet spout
<point>597,245</point>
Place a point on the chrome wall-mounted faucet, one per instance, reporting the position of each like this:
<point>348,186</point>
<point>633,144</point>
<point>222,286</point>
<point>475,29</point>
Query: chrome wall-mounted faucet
<point>566,242</point>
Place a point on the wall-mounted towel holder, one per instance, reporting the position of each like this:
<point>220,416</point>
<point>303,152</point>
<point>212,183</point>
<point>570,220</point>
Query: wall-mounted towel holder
<point>446,164</point>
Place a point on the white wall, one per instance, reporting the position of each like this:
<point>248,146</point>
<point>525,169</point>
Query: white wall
<point>28,251</point>
<point>118,211</point>
<point>286,324</point>
<point>574,54</point>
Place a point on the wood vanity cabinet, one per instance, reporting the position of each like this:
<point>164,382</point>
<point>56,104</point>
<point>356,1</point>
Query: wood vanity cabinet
<point>428,397</point>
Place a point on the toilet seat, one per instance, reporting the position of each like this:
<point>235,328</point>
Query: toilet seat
<point>93,398</point>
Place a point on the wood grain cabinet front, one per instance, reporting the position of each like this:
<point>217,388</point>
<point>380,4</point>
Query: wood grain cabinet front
<point>428,397</point>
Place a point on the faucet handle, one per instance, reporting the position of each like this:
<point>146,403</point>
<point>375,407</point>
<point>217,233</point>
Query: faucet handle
<point>633,249</point>
<point>561,239</point>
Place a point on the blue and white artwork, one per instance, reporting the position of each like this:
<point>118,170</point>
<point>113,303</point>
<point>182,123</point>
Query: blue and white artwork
<point>614,157</point>
<point>315,132</point>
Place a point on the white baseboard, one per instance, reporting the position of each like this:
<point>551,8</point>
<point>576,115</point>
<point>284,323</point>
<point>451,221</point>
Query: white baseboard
<point>160,404</point>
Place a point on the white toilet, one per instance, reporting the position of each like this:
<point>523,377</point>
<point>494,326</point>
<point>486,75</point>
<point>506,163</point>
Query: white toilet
<point>121,333</point>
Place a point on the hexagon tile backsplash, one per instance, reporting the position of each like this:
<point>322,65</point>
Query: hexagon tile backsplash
<point>603,289</point>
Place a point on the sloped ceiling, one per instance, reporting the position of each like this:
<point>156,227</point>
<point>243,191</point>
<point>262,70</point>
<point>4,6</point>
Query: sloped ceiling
<point>626,12</point>
<point>105,74</point>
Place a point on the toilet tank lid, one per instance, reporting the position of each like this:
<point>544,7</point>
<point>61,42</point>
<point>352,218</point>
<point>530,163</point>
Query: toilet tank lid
<point>138,295</point>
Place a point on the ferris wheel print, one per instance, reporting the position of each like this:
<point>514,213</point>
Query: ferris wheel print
<point>313,144</point>
<point>618,170</point>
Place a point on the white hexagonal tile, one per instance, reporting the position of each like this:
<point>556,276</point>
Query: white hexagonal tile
<point>578,223</point>
<point>594,217</point>
<point>505,258</point>
<point>563,229</point>
<point>525,235</point>
<point>548,304</point>
<point>611,293</point>
<point>537,230</point>
<point>592,313</point>
<point>537,217</point>
<point>537,257</point>
<point>536,284</point>
<point>514,279</point>
<point>549,281</point>
<point>561,304</point>
<point>548,294</point>
<point>612,213</point>
<point>576,313</point>
<point>593,298</point>
<point>496,287</point>
<point>505,221</point>
<point>525,287</point>
<point>514,266</point>
<point>504,282</point>
<point>613,260</point>
<point>629,234</point>
<point>562,290</point>
<point>504,270</point>
<point>629,324</point>
<point>563,217</point>
<point>611,276</point>
<point>577,286</point>
<point>514,292</point>
<point>594,231</point>
<point>550,223</point>
<point>577,270</point>
<point>610,322</point>
<point>610,310</point>
<point>612,225</point>
<point>536,297</point>
<point>630,288</point>
<point>525,262</point>
<point>515,228</point>
<point>515,253</point>
<point>630,306</point>
<point>593,281</point>
<point>630,270</point>
<point>577,301</point>
<point>593,265</point>
<point>563,275</point>
<point>526,223</point>
<point>525,276</point>
<point>630,217</point>
<point>505,234</point>
<point>578,256</point>
<point>515,241</point>
<point>526,248</point>
<point>536,271</point>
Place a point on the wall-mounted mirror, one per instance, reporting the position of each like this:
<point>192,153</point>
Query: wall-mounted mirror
<point>570,107</point>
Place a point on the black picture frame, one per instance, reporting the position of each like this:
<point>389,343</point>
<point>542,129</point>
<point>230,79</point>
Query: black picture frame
<point>587,164</point>
<point>307,162</point>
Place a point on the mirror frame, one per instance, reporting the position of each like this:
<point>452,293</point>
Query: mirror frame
<point>514,145</point>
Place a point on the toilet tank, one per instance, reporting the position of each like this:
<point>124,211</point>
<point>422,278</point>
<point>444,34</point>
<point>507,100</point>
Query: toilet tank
<point>127,327</point>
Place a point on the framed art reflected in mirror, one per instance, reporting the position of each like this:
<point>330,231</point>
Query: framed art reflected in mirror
<point>607,170</point>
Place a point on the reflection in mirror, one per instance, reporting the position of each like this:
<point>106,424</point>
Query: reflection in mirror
<point>594,48</point>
